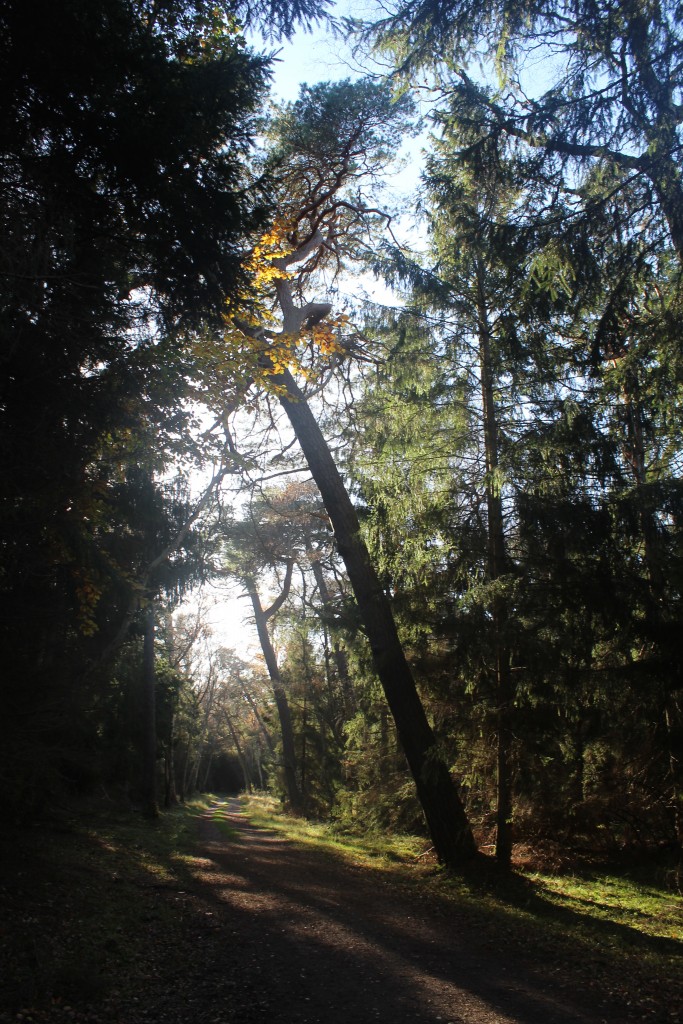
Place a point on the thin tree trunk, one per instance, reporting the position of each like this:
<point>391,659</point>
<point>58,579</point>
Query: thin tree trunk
<point>281,702</point>
<point>207,771</point>
<point>339,655</point>
<point>259,769</point>
<point>188,769</point>
<point>150,806</point>
<point>441,803</point>
<point>208,696</point>
<point>304,766</point>
<point>193,777</point>
<point>171,793</point>
<point>674,733</point>
<point>497,558</point>
<point>240,753</point>
<point>258,716</point>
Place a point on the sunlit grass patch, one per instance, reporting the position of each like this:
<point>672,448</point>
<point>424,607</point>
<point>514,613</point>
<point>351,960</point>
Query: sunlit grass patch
<point>220,816</point>
<point>648,909</point>
<point>371,849</point>
<point>645,909</point>
<point>136,845</point>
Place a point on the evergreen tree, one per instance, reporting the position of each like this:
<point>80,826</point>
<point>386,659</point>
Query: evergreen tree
<point>556,363</point>
<point>606,94</point>
<point>127,204</point>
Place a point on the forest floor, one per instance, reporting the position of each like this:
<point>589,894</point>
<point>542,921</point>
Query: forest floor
<point>247,926</point>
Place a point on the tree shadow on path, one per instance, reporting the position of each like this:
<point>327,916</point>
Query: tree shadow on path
<point>319,940</point>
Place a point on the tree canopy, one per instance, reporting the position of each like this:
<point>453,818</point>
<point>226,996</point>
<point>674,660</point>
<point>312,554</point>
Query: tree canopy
<point>128,210</point>
<point>464,564</point>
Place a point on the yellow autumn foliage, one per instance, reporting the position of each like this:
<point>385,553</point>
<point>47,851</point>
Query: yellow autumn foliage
<point>270,246</point>
<point>326,335</point>
<point>242,356</point>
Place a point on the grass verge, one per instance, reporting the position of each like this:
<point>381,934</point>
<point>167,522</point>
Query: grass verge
<point>371,850</point>
<point>616,933</point>
<point>88,905</point>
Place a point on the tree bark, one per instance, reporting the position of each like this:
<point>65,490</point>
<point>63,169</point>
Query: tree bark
<point>258,716</point>
<point>193,784</point>
<point>240,753</point>
<point>170,790</point>
<point>497,558</point>
<point>339,655</point>
<point>281,702</point>
<point>444,811</point>
<point>150,806</point>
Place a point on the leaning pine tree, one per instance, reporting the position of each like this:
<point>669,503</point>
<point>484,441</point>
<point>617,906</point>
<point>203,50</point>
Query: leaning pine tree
<point>332,143</point>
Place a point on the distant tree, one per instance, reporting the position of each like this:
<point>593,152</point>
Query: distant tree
<point>312,663</point>
<point>261,617</point>
<point>256,548</point>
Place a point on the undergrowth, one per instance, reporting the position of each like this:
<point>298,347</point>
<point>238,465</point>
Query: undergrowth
<point>650,904</point>
<point>86,901</point>
<point>372,849</point>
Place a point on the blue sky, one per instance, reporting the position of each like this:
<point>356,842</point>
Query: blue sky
<point>314,56</point>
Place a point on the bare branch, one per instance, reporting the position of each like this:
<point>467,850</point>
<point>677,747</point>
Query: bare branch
<point>284,594</point>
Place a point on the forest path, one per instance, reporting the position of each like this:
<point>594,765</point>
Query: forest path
<point>306,938</point>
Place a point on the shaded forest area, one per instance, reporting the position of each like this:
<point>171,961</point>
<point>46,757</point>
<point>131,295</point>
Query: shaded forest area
<point>456,516</point>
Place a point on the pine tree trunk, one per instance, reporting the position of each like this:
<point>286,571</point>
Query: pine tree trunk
<point>339,655</point>
<point>497,557</point>
<point>281,702</point>
<point>150,806</point>
<point>441,803</point>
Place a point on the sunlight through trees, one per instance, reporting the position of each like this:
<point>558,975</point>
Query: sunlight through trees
<point>455,515</point>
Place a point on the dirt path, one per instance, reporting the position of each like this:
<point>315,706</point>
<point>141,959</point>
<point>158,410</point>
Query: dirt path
<point>297,937</point>
<point>96,928</point>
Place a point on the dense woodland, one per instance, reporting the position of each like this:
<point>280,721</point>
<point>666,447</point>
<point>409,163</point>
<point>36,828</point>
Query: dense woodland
<point>456,515</point>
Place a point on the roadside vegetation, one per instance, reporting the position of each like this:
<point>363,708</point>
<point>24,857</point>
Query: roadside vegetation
<point>97,908</point>
<point>620,929</point>
<point>90,908</point>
